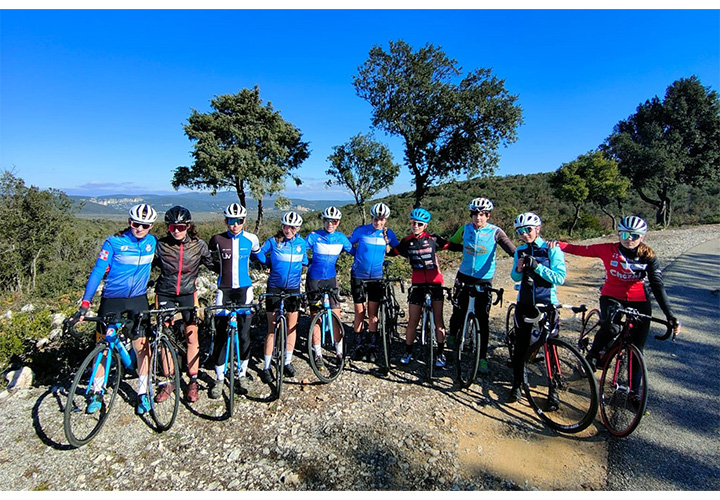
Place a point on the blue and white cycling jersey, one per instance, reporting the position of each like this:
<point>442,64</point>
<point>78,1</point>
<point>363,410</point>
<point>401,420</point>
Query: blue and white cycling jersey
<point>326,248</point>
<point>127,262</point>
<point>286,259</point>
<point>369,251</point>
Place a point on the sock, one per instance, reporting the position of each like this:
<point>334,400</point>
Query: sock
<point>243,367</point>
<point>288,357</point>
<point>98,384</point>
<point>142,385</point>
<point>339,348</point>
<point>317,350</point>
<point>268,360</point>
<point>220,372</point>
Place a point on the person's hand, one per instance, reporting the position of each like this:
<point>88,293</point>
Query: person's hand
<point>530,263</point>
<point>675,324</point>
<point>552,243</point>
<point>520,264</point>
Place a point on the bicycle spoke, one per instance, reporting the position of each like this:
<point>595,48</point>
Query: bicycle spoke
<point>164,383</point>
<point>468,353</point>
<point>622,399</point>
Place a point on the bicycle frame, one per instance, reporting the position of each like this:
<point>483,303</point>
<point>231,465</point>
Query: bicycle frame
<point>112,339</point>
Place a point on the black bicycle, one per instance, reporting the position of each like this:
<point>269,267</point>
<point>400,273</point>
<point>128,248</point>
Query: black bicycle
<point>329,363</point>
<point>467,349</point>
<point>623,383</point>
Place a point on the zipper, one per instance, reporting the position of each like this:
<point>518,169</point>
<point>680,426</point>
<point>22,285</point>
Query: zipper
<point>180,266</point>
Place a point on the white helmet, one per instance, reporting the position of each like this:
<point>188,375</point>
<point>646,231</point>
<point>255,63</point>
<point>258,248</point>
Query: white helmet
<point>292,219</point>
<point>332,213</point>
<point>481,205</point>
<point>380,210</point>
<point>633,224</point>
<point>235,210</point>
<point>527,219</point>
<point>143,213</point>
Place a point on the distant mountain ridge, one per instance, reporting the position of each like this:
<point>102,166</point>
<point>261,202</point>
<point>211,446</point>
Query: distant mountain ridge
<point>202,205</point>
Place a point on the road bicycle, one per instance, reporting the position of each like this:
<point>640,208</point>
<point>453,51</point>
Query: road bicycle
<point>328,365</point>
<point>588,330</point>
<point>558,381</point>
<point>623,383</point>
<point>388,312</point>
<point>467,348</point>
<point>280,332</point>
<point>231,363</point>
<point>428,340</point>
<point>95,385</point>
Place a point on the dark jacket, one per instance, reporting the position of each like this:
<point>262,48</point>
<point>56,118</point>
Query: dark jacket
<point>179,263</point>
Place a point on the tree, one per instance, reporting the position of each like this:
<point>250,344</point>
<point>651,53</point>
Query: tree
<point>363,166</point>
<point>242,145</point>
<point>590,178</point>
<point>670,143</point>
<point>448,127</point>
<point>30,221</point>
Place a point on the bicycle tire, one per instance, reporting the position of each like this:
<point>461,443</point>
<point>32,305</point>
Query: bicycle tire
<point>278,362</point>
<point>467,352</point>
<point>588,330</point>
<point>230,370</point>
<point>164,412</point>
<point>570,377</point>
<point>333,363</point>
<point>81,427</point>
<point>429,326</point>
<point>620,412</point>
<point>509,339</point>
<point>385,335</point>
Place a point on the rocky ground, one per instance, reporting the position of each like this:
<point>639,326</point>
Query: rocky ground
<point>365,431</point>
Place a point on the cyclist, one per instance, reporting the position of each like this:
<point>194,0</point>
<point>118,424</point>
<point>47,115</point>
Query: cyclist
<point>371,243</point>
<point>231,251</point>
<point>124,262</point>
<point>326,244</point>
<point>286,253</point>
<point>179,255</point>
<point>419,247</point>
<point>479,241</point>
<point>630,266</point>
<point>539,269</point>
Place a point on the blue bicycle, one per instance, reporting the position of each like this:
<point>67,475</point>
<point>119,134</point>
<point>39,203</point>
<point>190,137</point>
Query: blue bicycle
<point>232,363</point>
<point>326,335</point>
<point>95,386</point>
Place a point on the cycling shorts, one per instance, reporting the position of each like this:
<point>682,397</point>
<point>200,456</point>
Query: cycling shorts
<point>375,291</point>
<point>417,294</point>
<point>292,304</point>
<point>131,306</point>
<point>315,300</point>
<point>188,300</point>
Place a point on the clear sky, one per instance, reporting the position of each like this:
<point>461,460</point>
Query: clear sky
<point>93,102</point>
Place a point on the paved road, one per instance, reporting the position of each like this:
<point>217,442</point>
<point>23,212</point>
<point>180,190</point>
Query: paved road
<point>677,445</point>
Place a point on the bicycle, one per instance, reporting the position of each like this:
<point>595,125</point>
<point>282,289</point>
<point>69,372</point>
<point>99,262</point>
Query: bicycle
<point>232,362</point>
<point>277,364</point>
<point>467,348</point>
<point>623,383</point>
<point>330,338</point>
<point>558,381</point>
<point>588,330</point>
<point>388,312</point>
<point>91,397</point>
<point>427,326</point>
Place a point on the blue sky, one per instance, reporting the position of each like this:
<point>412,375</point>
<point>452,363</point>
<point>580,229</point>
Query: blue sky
<point>93,102</point>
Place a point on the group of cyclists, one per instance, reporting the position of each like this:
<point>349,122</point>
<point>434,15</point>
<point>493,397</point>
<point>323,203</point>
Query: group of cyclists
<point>126,259</point>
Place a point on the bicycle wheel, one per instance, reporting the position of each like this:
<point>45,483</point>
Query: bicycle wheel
<point>429,333</point>
<point>468,352</point>
<point>278,361</point>
<point>333,362</point>
<point>384,329</point>
<point>589,328</point>
<point>560,386</point>
<point>231,371</point>
<point>509,339</point>
<point>80,425</point>
<point>164,383</point>
<point>622,400</point>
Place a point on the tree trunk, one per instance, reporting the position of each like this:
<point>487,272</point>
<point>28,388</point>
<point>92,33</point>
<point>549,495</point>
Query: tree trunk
<point>612,217</point>
<point>658,204</point>
<point>575,219</point>
<point>420,189</point>
<point>34,270</point>
<point>260,215</point>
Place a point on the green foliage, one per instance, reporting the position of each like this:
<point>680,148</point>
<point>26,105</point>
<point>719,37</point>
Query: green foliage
<point>449,127</point>
<point>241,145</point>
<point>19,334</point>
<point>668,144</point>
<point>364,166</point>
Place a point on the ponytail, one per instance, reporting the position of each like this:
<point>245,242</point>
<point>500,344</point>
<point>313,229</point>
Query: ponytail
<point>645,252</point>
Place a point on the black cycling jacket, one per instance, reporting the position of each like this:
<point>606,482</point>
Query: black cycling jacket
<point>179,263</point>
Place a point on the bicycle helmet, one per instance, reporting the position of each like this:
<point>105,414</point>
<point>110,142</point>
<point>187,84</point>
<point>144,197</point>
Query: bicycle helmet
<point>420,214</point>
<point>332,213</point>
<point>292,219</point>
<point>177,215</point>
<point>481,205</point>
<point>235,210</point>
<point>527,219</point>
<point>380,210</point>
<point>143,213</point>
<point>633,224</point>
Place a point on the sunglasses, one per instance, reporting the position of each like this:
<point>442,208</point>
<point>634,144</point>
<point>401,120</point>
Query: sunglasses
<point>139,225</point>
<point>177,227</point>
<point>416,223</point>
<point>486,214</point>
<point>235,221</point>
<point>629,236</point>
<point>331,221</point>
<point>524,230</point>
